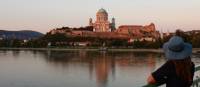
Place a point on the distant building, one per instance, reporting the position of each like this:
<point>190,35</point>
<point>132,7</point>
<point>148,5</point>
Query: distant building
<point>81,43</point>
<point>55,31</point>
<point>102,24</point>
<point>138,31</point>
<point>102,28</point>
<point>147,39</point>
<point>192,32</point>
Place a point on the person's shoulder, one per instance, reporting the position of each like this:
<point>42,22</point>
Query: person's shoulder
<point>169,63</point>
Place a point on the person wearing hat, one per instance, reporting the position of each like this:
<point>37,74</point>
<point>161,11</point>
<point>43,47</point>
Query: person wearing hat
<point>178,70</point>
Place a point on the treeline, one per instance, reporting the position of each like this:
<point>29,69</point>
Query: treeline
<point>68,29</point>
<point>63,40</point>
<point>11,43</point>
<point>190,37</point>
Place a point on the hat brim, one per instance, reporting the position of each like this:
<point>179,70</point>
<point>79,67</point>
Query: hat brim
<point>171,55</point>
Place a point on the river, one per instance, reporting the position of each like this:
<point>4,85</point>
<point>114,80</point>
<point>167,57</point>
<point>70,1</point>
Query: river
<point>31,68</point>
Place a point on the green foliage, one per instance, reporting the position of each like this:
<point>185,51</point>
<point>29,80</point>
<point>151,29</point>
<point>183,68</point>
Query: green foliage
<point>195,40</point>
<point>11,43</point>
<point>3,43</point>
<point>64,40</point>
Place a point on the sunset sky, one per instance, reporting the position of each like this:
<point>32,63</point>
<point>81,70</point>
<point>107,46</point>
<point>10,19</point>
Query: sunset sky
<point>44,15</point>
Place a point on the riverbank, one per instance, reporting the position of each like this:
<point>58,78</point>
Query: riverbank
<point>195,50</point>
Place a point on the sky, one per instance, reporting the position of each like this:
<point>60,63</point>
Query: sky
<point>45,15</point>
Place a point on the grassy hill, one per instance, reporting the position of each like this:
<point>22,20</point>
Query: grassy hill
<point>21,35</point>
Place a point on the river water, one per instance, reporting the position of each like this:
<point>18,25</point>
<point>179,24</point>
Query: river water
<point>26,68</point>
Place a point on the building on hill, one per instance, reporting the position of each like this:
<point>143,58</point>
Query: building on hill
<point>66,30</point>
<point>102,24</point>
<point>191,32</point>
<point>102,28</point>
<point>139,31</point>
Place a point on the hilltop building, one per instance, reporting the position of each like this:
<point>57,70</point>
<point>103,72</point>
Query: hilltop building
<point>102,24</point>
<point>102,28</point>
<point>191,32</point>
<point>147,32</point>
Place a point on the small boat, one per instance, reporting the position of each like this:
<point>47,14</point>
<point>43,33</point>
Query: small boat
<point>103,49</point>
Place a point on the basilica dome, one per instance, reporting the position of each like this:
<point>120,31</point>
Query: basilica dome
<point>102,11</point>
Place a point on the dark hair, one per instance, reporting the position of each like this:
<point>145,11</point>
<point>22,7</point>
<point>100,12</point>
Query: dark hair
<point>183,69</point>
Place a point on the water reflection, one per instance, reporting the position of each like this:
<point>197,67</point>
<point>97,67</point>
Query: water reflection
<point>27,68</point>
<point>102,65</point>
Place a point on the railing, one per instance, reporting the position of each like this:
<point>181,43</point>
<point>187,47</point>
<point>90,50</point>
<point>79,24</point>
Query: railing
<point>196,82</point>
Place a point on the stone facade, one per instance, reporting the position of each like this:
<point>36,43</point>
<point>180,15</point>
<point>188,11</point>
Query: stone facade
<point>138,31</point>
<point>102,24</point>
<point>102,28</point>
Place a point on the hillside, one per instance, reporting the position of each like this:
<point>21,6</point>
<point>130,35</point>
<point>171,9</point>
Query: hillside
<point>22,35</point>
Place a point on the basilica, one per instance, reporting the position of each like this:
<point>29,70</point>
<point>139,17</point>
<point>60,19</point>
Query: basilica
<point>102,24</point>
<point>103,28</point>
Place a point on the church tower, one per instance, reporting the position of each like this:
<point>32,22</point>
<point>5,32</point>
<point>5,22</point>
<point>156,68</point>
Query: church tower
<point>113,28</point>
<point>90,22</point>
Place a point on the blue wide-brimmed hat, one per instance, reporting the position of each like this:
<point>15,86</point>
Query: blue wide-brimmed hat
<point>177,49</point>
